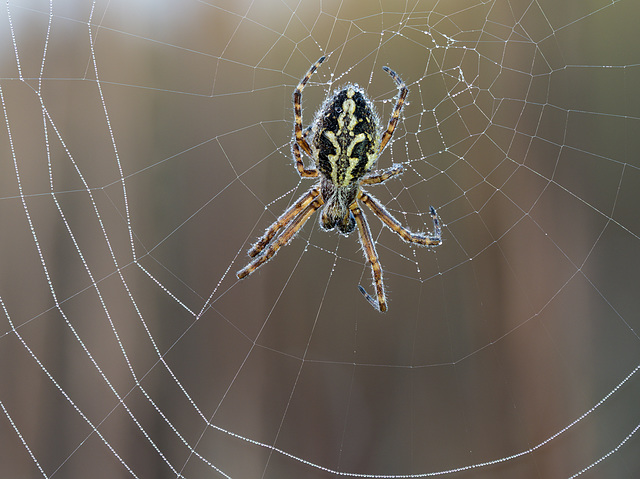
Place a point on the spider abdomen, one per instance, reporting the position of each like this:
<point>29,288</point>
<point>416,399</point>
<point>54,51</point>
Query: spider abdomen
<point>346,136</point>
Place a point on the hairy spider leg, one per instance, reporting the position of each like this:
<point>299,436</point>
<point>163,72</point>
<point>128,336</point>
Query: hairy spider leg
<point>284,219</point>
<point>395,115</point>
<point>284,238</point>
<point>437,232</point>
<point>389,220</point>
<point>297,155</point>
<point>306,131</point>
<point>372,257</point>
<point>380,176</point>
<point>297,111</point>
<point>304,172</point>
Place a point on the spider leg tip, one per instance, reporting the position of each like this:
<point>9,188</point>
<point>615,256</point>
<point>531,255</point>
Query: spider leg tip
<point>382,307</point>
<point>436,238</point>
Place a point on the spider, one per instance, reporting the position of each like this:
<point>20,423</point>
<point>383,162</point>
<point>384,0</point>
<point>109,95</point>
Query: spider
<point>344,141</point>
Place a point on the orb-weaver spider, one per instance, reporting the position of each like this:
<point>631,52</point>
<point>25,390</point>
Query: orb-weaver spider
<point>345,143</point>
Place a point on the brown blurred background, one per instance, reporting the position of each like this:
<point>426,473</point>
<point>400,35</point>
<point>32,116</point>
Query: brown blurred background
<point>127,346</point>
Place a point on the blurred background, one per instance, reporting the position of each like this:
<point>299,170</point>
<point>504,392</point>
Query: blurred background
<point>146,145</point>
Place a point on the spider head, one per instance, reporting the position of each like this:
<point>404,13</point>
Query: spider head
<point>336,212</point>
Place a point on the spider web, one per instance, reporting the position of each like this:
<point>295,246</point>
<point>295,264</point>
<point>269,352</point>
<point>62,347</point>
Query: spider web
<point>146,145</point>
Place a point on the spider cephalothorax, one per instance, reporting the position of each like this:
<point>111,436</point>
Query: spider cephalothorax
<point>345,143</point>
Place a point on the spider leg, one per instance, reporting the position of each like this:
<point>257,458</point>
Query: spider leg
<point>380,176</point>
<point>304,172</point>
<point>386,136</point>
<point>292,228</point>
<point>420,238</point>
<point>297,109</point>
<point>283,220</point>
<point>306,131</point>
<point>372,257</point>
